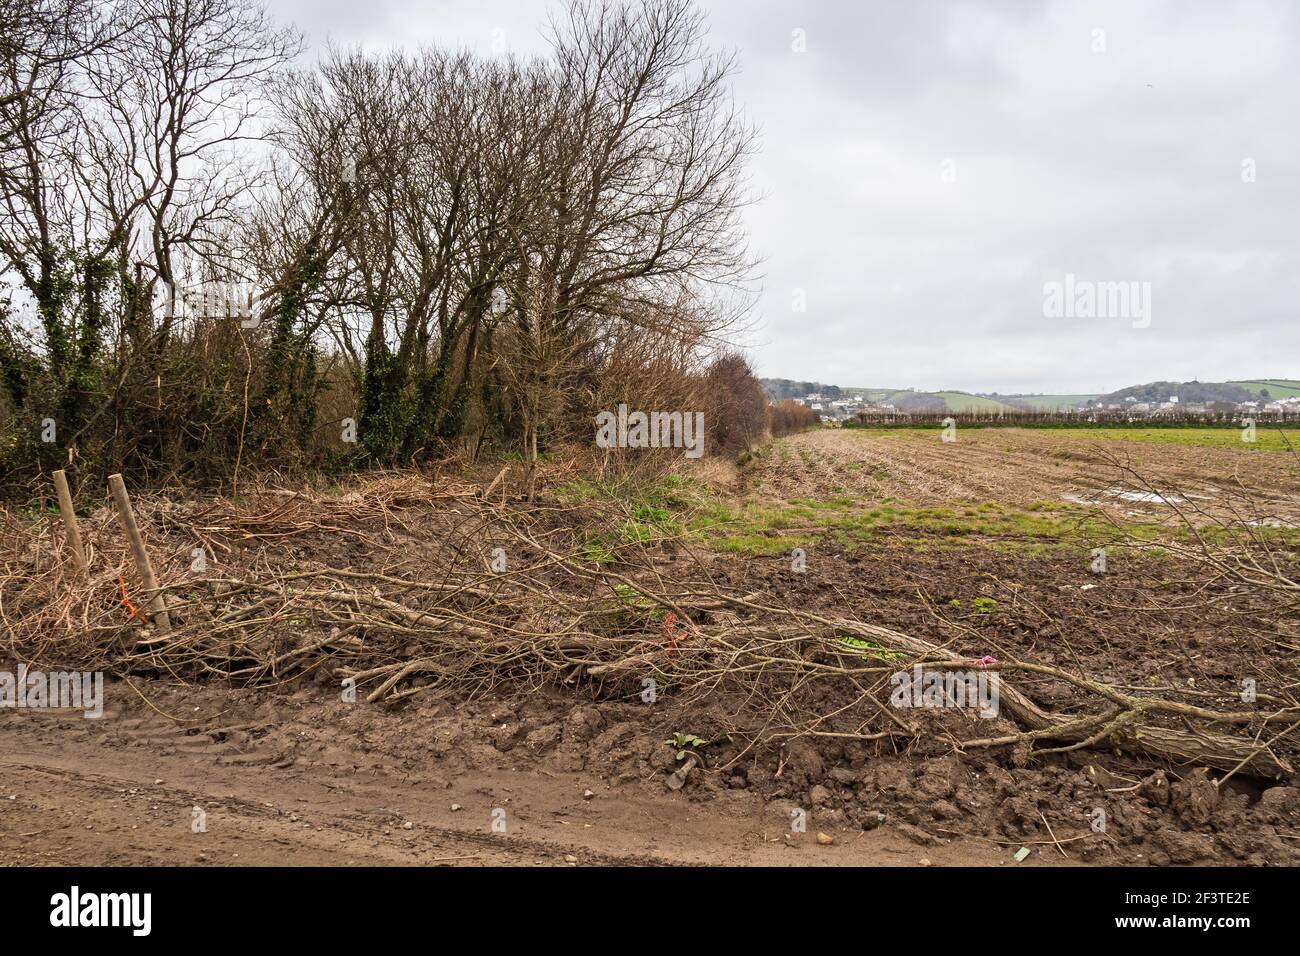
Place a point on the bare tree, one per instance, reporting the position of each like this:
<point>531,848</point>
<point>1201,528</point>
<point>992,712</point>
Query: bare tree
<point>643,171</point>
<point>468,237</point>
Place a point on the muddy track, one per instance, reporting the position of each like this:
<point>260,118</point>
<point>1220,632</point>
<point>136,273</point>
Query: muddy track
<point>121,791</point>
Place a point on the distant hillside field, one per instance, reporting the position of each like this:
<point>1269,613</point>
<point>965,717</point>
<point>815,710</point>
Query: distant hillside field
<point>1267,439</point>
<point>911,400</point>
<point>965,402</point>
<point>1050,403</point>
<point>1276,388</point>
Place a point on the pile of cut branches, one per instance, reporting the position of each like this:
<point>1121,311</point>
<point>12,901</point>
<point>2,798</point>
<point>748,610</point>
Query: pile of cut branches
<point>403,585</point>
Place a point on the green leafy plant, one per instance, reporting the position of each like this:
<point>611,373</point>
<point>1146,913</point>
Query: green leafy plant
<point>682,743</point>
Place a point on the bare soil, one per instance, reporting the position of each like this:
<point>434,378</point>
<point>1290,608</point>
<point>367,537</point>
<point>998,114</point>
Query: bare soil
<point>302,778</point>
<point>581,771</point>
<point>295,774</point>
<point>1023,465</point>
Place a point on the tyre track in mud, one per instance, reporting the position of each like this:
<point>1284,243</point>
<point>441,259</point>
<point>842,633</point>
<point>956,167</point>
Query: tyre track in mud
<point>121,791</point>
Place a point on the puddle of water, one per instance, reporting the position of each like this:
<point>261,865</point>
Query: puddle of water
<point>1140,497</point>
<point>1148,497</point>
<point>1270,523</point>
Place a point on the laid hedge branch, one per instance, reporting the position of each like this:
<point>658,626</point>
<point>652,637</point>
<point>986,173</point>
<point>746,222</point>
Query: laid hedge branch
<point>407,601</point>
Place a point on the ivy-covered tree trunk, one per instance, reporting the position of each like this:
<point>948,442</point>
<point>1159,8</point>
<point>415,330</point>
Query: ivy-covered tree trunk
<point>381,418</point>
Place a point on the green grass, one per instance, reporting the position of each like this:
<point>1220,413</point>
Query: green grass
<point>756,545</point>
<point>677,507</point>
<point>1266,439</point>
<point>963,402</point>
<point>1277,387</point>
<point>651,509</point>
<point>754,527</point>
<point>1053,403</point>
<point>760,528</point>
<point>628,607</point>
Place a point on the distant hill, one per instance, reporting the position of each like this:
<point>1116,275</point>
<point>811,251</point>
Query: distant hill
<point>782,388</point>
<point>912,400</point>
<point>902,398</point>
<point>1200,392</point>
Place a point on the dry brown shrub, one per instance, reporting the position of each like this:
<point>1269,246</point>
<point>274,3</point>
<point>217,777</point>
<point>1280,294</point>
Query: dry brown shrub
<point>789,416</point>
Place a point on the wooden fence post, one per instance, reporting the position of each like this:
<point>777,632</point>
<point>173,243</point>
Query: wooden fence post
<point>158,606</point>
<point>70,522</point>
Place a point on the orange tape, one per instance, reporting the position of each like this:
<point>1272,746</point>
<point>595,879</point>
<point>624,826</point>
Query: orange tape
<point>126,601</point>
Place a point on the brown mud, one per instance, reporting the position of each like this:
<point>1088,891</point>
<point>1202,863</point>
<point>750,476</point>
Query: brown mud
<point>535,769</point>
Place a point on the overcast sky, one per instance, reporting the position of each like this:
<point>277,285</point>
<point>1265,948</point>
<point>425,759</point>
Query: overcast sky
<point>926,167</point>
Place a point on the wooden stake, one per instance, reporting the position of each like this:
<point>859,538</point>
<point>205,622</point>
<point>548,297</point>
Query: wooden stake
<point>158,606</point>
<point>496,481</point>
<point>70,521</point>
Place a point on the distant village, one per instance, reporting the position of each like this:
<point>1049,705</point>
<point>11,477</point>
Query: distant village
<point>1172,406</point>
<point>843,409</point>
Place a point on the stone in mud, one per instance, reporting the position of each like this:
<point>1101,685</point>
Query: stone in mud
<point>819,796</point>
<point>677,779</point>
